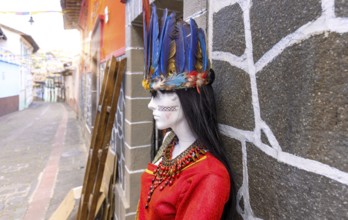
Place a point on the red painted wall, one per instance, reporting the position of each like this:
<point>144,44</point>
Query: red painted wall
<point>9,104</point>
<point>113,32</point>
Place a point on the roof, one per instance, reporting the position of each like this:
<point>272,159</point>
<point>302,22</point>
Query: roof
<point>26,37</point>
<point>2,35</point>
<point>71,9</point>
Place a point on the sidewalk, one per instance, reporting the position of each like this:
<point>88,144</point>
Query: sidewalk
<point>42,157</point>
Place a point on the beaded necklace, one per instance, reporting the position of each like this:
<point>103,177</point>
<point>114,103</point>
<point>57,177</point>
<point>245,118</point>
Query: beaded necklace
<point>169,169</point>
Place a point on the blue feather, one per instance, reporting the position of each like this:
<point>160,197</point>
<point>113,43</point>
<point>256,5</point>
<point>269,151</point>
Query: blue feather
<point>186,33</point>
<point>155,42</point>
<point>162,30</point>
<point>201,38</point>
<point>163,20</point>
<point>176,80</point>
<point>148,46</point>
<point>162,26</point>
<point>180,49</point>
<point>167,38</point>
<point>193,45</point>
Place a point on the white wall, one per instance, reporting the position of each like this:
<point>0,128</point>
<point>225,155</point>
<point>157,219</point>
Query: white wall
<point>12,43</point>
<point>21,50</point>
<point>9,79</point>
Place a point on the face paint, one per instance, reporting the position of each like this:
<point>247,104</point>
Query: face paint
<point>166,109</point>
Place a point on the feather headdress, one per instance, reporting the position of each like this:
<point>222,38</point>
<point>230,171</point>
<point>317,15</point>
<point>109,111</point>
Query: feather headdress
<point>175,53</point>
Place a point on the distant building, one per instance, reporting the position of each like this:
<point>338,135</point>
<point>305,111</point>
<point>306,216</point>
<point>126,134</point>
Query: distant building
<point>16,48</point>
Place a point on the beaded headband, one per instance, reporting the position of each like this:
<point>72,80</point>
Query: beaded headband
<point>175,53</point>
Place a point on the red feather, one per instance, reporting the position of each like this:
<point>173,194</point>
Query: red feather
<point>147,11</point>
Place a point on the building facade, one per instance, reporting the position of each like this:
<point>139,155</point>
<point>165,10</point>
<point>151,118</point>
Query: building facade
<point>16,81</point>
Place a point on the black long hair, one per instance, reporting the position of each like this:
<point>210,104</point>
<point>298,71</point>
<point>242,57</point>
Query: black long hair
<point>200,112</point>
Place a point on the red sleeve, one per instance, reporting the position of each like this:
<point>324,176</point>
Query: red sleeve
<point>204,197</point>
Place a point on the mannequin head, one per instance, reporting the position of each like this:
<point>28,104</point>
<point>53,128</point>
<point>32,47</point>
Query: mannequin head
<point>167,110</point>
<point>168,113</point>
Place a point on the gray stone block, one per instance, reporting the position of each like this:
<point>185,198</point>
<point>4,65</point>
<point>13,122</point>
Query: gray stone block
<point>131,217</point>
<point>341,8</point>
<point>280,191</point>
<point>228,30</point>
<point>135,60</point>
<point>303,98</point>
<point>132,191</point>
<point>137,110</point>
<point>138,134</point>
<point>234,155</point>
<point>193,6</point>
<point>271,20</point>
<point>134,36</point>
<point>134,87</point>
<point>121,206</point>
<point>264,139</point>
<point>137,158</point>
<point>233,96</point>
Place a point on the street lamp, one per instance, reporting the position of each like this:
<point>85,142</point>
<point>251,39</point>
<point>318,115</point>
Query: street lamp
<point>31,20</point>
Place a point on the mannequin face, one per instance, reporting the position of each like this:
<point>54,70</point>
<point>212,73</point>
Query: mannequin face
<point>166,109</point>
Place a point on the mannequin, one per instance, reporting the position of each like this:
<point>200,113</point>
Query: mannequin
<point>192,178</point>
<point>168,113</point>
<point>181,110</point>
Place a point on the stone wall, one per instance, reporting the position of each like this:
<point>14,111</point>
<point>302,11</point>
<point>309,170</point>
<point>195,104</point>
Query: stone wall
<point>133,124</point>
<point>282,98</point>
<point>281,90</point>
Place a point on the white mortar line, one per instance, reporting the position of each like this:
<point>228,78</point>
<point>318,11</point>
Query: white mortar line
<point>134,73</point>
<point>239,197</point>
<point>270,136</point>
<point>134,48</point>
<point>314,167</point>
<point>196,15</point>
<point>232,59</point>
<point>137,146</point>
<point>133,171</point>
<point>130,213</point>
<point>339,25</point>
<point>251,68</point>
<point>296,161</point>
<point>236,133</point>
<point>138,98</point>
<point>210,28</point>
<point>328,8</point>
<point>248,212</point>
<point>137,123</point>
<point>308,30</point>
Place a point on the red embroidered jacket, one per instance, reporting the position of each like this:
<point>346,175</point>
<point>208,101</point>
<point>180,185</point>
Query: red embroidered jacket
<point>200,192</point>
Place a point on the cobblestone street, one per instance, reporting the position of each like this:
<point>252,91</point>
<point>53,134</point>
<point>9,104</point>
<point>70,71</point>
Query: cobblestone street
<point>42,158</point>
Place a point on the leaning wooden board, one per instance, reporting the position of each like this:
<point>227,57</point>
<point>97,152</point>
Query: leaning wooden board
<point>99,148</point>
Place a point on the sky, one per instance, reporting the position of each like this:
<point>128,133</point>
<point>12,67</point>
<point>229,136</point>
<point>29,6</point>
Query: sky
<point>47,29</point>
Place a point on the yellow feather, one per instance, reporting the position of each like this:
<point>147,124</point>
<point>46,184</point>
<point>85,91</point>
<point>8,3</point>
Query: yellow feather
<point>171,59</point>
